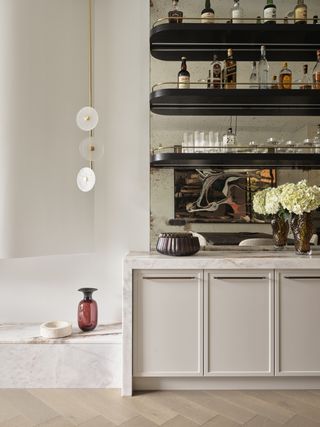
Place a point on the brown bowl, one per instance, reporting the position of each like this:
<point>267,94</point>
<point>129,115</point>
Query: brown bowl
<point>178,244</point>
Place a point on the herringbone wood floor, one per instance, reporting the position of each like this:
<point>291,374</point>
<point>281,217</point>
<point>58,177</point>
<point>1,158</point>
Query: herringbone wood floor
<point>105,408</point>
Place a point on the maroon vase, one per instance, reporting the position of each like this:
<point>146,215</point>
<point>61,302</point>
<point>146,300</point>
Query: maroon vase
<point>87,310</point>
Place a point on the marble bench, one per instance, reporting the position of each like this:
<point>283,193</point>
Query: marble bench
<point>83,360</point>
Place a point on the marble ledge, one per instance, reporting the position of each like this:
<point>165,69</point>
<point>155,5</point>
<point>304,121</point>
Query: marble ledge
<point>225,258</point>
<point>29,333</point>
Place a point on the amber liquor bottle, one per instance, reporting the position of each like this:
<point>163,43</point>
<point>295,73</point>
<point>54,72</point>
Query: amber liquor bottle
<point>316,73</point>
<point>175,15</point>
<point>285,77</point>
<point>183,75</point>
<point>230,71</point>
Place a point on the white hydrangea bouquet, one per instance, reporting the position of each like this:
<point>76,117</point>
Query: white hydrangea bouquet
<point>295,201</point>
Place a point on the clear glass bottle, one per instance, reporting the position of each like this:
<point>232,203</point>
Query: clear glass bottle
<point>316,141</point>
<point>216,73</point>
<point>316,72</point>
<point>263,70</point>
<point>237,13</point>
<point>305,81</point>
<point>285,77</point>
<point>230,71</point>
<point>184,75</point>
<point>207,14</point>
<point>270,13</point>
<point>229,141</point>
<point>316,19</point>
<point>300,13</point>
<point>259,20</point>
<point>175,15</point>
<point>254,77</point>
<point>209,81</point>
<point>274,84</point>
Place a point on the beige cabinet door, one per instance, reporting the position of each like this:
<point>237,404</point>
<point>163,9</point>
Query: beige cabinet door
<point>298,322</point>
<point>168,323</point>
<point>239,323</point>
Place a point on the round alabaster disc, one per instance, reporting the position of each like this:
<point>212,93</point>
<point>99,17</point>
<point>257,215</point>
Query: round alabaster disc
<point>56,329</point>
<point>90,149</point>
<point>87,118</point>
<point>86,179</point>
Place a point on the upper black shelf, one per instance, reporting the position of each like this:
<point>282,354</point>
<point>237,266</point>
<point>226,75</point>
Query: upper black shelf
<point>198,42</point>
<point>235,102</point>
<point>236,160</point>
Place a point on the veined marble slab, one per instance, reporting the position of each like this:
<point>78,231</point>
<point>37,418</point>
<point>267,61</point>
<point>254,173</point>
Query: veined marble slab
<point>24,333</point>
<point>226,258</point>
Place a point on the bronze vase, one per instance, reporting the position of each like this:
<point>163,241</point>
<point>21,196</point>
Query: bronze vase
<point>280,231</point>
<point>301,226</point>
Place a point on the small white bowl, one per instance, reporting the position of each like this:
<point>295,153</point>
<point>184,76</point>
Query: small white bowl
<point>56,329</point>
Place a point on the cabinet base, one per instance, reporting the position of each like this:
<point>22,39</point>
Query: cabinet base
<point>267,383</point>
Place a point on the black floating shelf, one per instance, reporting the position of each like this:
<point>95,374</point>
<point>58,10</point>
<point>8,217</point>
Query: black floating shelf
<point>236,160</point>
<point>198,42</point>
<point>235,102</point>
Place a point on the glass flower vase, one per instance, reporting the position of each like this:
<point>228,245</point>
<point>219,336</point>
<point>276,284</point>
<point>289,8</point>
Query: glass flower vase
<point>301,226</point>
<point>87,310</point>
<point>280,231</point>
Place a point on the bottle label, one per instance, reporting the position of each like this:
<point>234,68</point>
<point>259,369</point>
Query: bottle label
<point>316,80</point>
<point>205,17</point>
<point>236,16</point>
<point>231,76</point>
<point>270,14</point>
<point>216,76</point>
<point>300,14</point>
<point>184,82</point>
<point>286,82</point>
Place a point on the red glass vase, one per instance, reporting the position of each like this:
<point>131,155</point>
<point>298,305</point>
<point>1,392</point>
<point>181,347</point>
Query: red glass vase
<point>87,310</point>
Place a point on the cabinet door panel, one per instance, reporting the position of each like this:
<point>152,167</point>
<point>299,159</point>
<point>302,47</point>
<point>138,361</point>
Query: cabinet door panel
<point>168,323</point>
<point>238,326</point>
<point>298,323</point>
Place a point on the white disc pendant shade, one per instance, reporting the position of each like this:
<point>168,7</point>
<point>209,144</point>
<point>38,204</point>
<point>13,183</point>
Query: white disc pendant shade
<point>86,179</point>
<point>90,150</point>
<point>87,118</point>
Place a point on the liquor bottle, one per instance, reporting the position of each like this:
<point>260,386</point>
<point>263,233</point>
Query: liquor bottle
<point>263,70</point>
<point>209,82</point>
<point>305,81</point>
<point>315,19</point>
<point>207,15</point>
<point>285,77</point>
<point>286,20</point>
<point>316,141</point>
<point>270,13</point>
<point>175,15</point>
<point>300,13</point>
<point>274,84</point>
<point>254,77</point>
<point>259,20</point>
<point>316,73</point>
<point>216,73</point>
<point>229,140</point>
<point>236,13</point>
<point>230,71</point>
<point>184,75</point>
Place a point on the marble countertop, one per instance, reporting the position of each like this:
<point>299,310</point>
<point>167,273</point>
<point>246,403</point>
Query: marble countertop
<point>29,333</point>
<point>226,257</point>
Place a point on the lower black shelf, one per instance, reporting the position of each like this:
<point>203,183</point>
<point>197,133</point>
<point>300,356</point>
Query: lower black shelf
<point>235,102</point>
<point>236,160</point>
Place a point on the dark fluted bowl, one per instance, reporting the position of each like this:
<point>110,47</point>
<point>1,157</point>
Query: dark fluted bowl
<point>178,244</point>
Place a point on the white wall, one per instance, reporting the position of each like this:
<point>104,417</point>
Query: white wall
<point>44,78</point>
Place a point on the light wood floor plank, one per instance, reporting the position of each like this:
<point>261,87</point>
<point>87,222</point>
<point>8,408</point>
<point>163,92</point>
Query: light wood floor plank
<point>99,421</point>
<point>305,396</point>
<point>258,406</point>
<point>19,421</point>
<point>260,421</point>
<point>179,421</point>
<point>138,422</point>
<point>66,402</point>
<point>221,421</point>
<point>183,406</point>
<point>57,422</point>
<point>7,409</point>
<point>300,408</point>
<point>29,406</point>
<point>298,421</point>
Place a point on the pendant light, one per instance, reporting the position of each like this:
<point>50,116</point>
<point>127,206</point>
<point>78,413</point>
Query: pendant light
<point>87,119</point>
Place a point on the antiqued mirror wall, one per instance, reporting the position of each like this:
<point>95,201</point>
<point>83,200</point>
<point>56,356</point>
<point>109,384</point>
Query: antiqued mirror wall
<point>174,193</point>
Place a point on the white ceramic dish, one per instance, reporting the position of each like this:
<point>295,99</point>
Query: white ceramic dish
<point>56,329</point>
